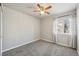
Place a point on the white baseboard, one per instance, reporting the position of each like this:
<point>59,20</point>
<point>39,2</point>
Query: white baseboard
<point>54,42</point>
<point>47,40</point>
<point>19,45</point>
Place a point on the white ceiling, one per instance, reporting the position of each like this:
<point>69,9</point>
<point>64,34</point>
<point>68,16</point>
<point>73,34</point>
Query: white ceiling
<point>30,7</point>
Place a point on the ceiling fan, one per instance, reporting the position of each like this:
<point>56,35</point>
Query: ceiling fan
<point>43,9</point>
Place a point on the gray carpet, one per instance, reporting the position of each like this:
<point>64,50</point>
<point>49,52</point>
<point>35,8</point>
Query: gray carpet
<point>41,48</point>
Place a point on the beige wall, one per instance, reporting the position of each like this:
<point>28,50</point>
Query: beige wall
<point>46,29</point>
<point>18,29</point>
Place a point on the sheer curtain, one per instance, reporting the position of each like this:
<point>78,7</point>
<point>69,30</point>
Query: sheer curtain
<point>64,30</point>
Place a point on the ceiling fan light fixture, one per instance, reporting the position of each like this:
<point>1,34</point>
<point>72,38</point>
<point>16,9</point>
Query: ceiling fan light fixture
<point>42,9</point>
<point>41,12</point>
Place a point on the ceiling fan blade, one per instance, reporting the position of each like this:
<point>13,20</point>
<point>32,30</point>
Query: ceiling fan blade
<point>47,12</point>
<point>36,11</point>
<point>48,7</point>
<point>38,5</point>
